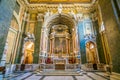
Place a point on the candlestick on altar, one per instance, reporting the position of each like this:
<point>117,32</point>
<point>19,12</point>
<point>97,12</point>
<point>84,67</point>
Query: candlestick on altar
<point>62,50</point>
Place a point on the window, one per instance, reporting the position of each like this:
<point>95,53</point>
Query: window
<point>116,8</point>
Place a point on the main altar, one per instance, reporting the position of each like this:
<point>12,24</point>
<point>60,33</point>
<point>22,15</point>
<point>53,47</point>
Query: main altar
<point>59,48</point>
<point>62,52</point>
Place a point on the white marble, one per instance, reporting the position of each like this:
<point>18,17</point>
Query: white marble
<point>84,77</point>
<point>88,76</point>
<point>96,77</point>
<point>58,78</point>
<point>34,77</point>
<point>22,76</point>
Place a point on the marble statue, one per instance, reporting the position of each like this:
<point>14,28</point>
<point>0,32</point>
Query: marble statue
<point>73,14</point>
<point>47,14</point>
<point>60,8</point>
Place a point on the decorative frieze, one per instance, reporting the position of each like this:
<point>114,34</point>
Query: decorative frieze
<point>77,7</point>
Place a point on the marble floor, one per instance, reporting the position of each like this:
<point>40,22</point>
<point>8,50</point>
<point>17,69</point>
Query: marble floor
<point>84,76</point>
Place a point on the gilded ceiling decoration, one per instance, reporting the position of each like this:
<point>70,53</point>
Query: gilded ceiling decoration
<point>84,6</point>
<point>59,1</point>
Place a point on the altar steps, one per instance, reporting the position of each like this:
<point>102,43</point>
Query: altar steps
<point>59,73</point>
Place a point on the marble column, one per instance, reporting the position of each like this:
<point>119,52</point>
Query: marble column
<point>46,41</point>
<point>50,45</point>
<point>53,41</point>
<point>76,44</point>
<point>67,44</point>
<point>41,40</point>
<point>73,42</point>
<point>37,37</point>
<point>99,43</point>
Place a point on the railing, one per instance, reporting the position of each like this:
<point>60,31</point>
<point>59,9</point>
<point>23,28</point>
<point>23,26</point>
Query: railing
<point>26,67</point>
<point>68,67</point>
<point>47,67</point>
<point>44,67</point>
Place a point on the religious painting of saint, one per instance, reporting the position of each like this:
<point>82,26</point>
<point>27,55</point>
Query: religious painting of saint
<point>60,45</point>
<point>88,28</point>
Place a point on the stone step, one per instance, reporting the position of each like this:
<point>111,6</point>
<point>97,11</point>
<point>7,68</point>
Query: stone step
<point>57,73</point>
<point>23,76</point>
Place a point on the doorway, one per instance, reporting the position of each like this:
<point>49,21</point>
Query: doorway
<point>91,54</point>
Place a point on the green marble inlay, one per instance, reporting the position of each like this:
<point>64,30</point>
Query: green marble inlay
<point>99,43</point>
<point>37,41</point>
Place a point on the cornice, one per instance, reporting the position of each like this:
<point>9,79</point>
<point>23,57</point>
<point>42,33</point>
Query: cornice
<point>59,1</point>
<point>77,7</point>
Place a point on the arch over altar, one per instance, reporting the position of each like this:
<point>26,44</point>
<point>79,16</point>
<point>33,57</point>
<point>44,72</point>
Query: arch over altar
<point>59,44</point>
